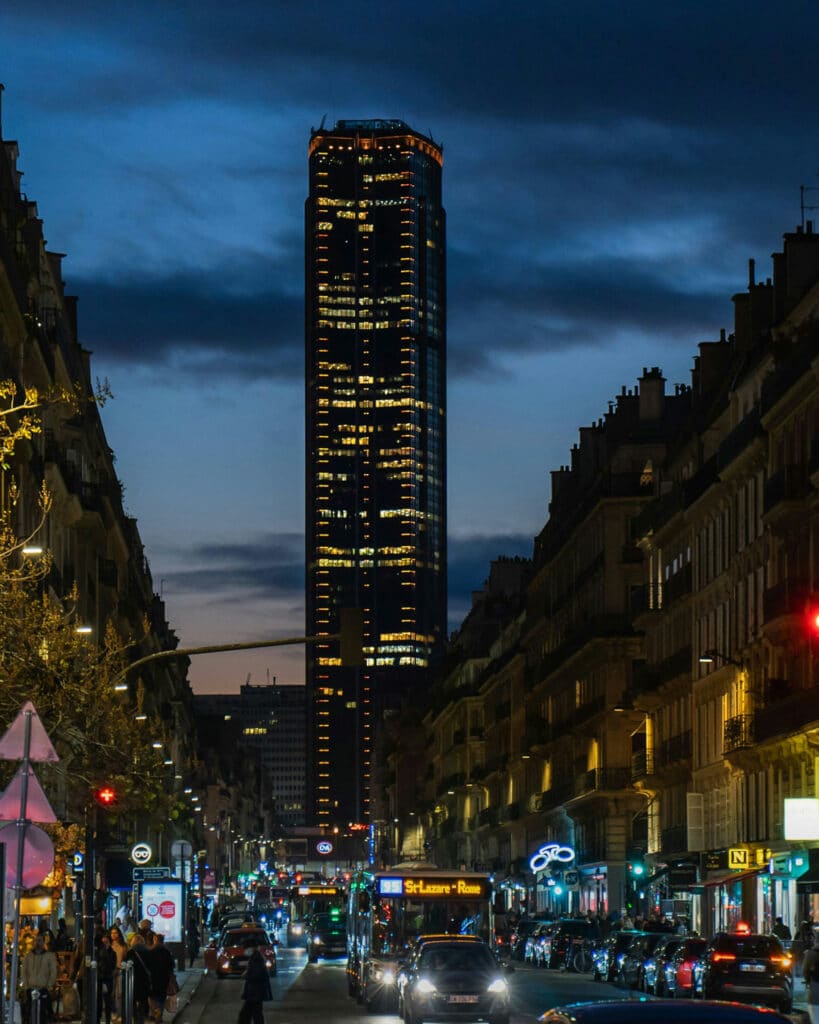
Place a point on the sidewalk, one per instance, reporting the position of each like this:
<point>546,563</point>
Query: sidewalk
<point>188,983</point>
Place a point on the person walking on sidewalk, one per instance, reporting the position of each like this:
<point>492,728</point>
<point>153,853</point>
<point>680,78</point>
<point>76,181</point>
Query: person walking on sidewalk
<point>39,974</point>
<point>257,987</point>
<point>139,956</point>
<point>106,969</point>
<point>810,973</point>
<point>162,970</point>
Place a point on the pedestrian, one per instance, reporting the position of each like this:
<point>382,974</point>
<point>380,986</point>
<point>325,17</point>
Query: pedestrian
<point>810,972</point>
<point>139,956</point>
<point>106,971</point>
<point>146,931</point>
<point>38,974</point>
<point>193,939</point>
<point>780,929</point>
<point>257,987</point>
<point>120,947</point>
<point>62,941</point>
<point>162,970</point>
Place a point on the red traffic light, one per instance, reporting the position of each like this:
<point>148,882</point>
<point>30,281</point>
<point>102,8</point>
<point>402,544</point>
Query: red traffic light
<point>105,795</point>
<point>813,620</point>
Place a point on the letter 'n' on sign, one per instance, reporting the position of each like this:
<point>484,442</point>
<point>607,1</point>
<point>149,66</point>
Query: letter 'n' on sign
<point>739,858</point>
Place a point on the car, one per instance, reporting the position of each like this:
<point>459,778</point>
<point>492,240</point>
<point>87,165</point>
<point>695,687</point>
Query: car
<point>678,973</point>
<point>233,953</point>
<point>659,1011</point>
<point>654,964</point>
<point>534,942</point>
<point>456,981</point>
<point>570,934</point>
<point>523,929</point>
<point>748,968</point>
<point>326,936</point>
<point>639,951</point>
<point>420,943</point>
<point>607,957</point>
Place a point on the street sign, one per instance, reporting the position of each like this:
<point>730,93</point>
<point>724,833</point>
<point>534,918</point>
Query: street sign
<point>181,848</point>
<point>739,858</point>
<point>141,853</point>
<point>145,874</point>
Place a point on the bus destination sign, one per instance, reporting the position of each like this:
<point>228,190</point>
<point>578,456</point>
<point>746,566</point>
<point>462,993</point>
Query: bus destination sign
<point>430,887</point>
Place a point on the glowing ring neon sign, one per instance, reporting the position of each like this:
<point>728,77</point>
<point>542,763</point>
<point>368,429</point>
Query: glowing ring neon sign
<point>548,853</point>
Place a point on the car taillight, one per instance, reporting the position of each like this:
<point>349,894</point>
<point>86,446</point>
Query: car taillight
<point>784,961</point>
<point>723,956</point>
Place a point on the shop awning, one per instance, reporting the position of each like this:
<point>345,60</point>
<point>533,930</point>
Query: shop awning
<point>727,877</point>
<point>809,881</point>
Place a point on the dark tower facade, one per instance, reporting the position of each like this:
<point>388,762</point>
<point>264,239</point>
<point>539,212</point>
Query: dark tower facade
<point>375,440</point>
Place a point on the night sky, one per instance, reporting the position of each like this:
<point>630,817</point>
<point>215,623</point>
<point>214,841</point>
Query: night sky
<point>609,169</point>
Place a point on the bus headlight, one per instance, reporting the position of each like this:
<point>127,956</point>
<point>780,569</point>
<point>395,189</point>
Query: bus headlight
<point>386,975</point>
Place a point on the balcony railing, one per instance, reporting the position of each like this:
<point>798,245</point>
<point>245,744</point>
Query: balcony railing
<point>674,839</point>
<point>511,812</point>
<point>789,484</point>
<point>602,778</point>
<point>488,816</point>
<point>789,715</point>
<point>678,585</point>
<point>559,793</point>
<point>740,438</point>
<point>675,748</point>
<point>738,733</point>
<point>642,764</point>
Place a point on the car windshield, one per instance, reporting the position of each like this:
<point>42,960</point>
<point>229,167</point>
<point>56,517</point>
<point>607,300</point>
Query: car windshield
<point>241,936</point>
<point>456,958</point>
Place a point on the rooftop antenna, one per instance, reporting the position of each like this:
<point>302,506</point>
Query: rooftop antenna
<point>803,189</point>
<point>323,119</point>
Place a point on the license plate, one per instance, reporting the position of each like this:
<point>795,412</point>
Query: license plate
<point>462,999</point>
<point>756,968</point>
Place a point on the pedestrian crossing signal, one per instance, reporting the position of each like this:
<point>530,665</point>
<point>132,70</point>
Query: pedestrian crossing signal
<point>106,796</point>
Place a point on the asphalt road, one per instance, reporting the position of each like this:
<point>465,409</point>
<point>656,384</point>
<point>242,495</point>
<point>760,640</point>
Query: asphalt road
<point>317,994</point>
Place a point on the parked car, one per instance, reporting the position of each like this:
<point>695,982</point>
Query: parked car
<point>456,981</point>
<point>326,936</point>
<point>654,963</point>
<point>638,952</point>
<point>523,929</point>
<point>607,957</point>
<point>678,974</point>
<point>534,943</point>
<point>748,968</point>
<point>659,1011</point>
<point>570,934</point>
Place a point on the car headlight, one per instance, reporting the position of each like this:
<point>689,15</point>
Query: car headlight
<point>499,987</point>
<point>297,929</point>
<point>386,975</point>
<point>425,987</point>
<point>316,940</point>
<point>226,963</point>
<point>268,963</point>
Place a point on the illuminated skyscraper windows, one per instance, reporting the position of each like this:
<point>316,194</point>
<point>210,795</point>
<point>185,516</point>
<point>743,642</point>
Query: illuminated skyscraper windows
<point>375,347</point>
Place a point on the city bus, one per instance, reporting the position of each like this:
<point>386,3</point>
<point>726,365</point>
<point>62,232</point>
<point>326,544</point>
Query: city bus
<point>311,898</point>
<point>387,911</point>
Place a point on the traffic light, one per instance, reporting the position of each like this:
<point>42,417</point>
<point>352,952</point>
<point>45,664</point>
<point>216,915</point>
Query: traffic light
<point>636,864</point>
<point>105,796</point>
<point>812,620</point>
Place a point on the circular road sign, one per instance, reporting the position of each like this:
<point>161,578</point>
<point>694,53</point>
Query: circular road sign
<point>324,847</point>
<point>141,853</point>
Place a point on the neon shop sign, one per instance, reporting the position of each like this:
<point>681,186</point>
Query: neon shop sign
<point>548,854</point>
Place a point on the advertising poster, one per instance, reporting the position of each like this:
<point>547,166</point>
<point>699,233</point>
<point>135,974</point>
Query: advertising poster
<point>163,906</point>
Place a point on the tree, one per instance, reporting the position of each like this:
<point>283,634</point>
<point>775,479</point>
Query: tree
<point>66,674</point>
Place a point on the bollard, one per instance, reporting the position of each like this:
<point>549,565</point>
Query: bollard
<point>35,1006</point>
<point>91,993</point>
<point>127,1008</point>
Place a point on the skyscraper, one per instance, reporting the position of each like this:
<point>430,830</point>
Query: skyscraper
<point>375,439</point>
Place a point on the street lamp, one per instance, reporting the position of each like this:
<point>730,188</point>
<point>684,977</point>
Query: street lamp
<point>712,655</point>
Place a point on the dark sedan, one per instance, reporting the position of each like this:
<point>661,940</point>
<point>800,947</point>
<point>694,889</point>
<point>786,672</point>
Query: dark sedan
<point>326,936</point>
<point>654,964</point>
<point>456,982</point>
<point>748,968</point>
<point>660,1011</point>
<point>607,958</point>
<point>678,976</point>
<point>639,951</point>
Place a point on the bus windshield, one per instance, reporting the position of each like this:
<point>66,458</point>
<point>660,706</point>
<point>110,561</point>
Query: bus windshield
<point>397,922</point>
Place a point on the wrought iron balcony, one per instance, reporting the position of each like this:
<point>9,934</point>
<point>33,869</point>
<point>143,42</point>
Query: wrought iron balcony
<point>738,733</point>
<point>602,778</point>
<point>642,764</point>
<point>675,748</point>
